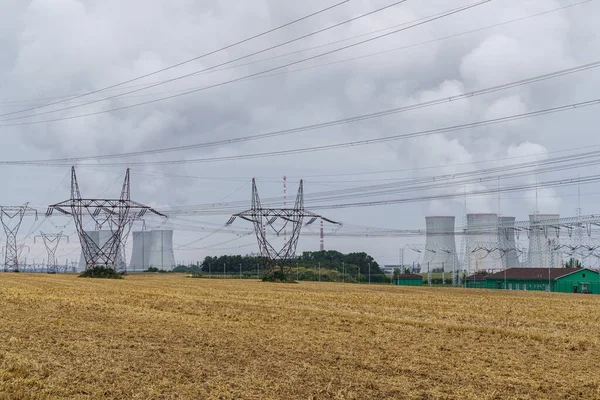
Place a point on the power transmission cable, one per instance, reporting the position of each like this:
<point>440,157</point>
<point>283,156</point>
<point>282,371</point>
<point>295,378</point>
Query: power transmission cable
<point>321,125</point>
<point>433,182</point>
<point>514,188</point>
<point>488,122</point>
<point>186,61</point>
<point>17,102</point>
<point>237,79</point>
<point>274,179</point>
<point>205,69</point>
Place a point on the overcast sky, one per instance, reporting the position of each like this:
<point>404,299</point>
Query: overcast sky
<point>53,48</point>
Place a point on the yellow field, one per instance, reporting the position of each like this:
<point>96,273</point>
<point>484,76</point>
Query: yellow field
<point>167,337</point>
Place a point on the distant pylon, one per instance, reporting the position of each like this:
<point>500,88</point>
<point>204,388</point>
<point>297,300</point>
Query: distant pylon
<point>263,218</point>
<point>51,241</point>
<point>11,218</point>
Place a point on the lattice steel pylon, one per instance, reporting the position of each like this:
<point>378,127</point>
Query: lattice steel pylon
<point>117,212</point>
<point>12,218</point>
<point>262,218</point>
<point>51,241</point>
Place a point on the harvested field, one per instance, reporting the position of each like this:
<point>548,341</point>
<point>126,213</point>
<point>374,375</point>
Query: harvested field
<point>168,337</point>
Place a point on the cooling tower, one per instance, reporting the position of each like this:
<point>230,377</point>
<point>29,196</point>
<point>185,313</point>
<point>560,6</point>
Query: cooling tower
<point>96,238</point>
<point>440,245</point>
<point>140,254</point>
<point>507,242</point>
<point>161,250</point>
<point>104,236</point>
<point>482,231</point>
<point>542,243</point>
<point>100,238</point>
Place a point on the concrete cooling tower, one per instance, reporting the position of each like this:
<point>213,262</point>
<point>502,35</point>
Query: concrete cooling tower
<point>440,244</point>
<point>542,241</point>
<point>482,231</point>
<point>161,250</point>
<point>507,242</point>
<point>100,238</point>
<point>140,254</point>
<point>94,235</point>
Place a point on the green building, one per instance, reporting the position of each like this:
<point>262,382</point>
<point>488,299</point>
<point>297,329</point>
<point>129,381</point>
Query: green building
<point>476,281</point>
<point>408,280</point>
<point>564,280</point>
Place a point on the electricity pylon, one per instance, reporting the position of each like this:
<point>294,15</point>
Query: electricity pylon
<point>51,241</point>
<point>264,218</point>
<point>11,218</point>
<point>118,213</point>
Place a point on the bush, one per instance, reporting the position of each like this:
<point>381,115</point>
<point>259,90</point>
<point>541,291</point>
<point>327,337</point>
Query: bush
<point>101,271</point>
<point>152,269</point>
<point>278,276</point>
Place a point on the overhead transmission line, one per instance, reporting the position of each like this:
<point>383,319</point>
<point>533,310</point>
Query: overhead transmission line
<point>149,86</point>
<point>505,189</point>
<point>232,80</point>
<point>488,122</point>
<point>506,22</point>
<point>304,128</point>
<point>184,62</point>
<point>435,181</point>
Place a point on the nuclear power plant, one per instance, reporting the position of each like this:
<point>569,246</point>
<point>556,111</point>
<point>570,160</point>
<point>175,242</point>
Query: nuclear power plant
<point>490,242</point>
<point>481,236</point>
<point>161,250</point>
<point>440,244</point>
<point>507,242</point>
<point>544,241</point>
<point>150,249</point>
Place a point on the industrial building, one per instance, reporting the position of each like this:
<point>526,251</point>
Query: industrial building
<point>140,253</point>
<point>440,244</point>
<point>161,254</point>
<point>408,280</point>
<point>564,280</point>
<point>150,249</point>
<point>543,242</point>
<point>507,243</point>
<point>482,231</point>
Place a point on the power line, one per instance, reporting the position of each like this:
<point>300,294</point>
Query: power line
<point>184,62</point>
<point>510,21</point>
<point>378,114</point>
<point>340,145</point>
<point>205,69</point>
<point>237,79</point>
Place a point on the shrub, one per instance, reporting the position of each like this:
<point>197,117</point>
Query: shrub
<point>101,271</point>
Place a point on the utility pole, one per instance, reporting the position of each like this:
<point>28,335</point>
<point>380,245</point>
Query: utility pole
<point>428,274</point>
<point>443,273</point>
<point>343,272</point>
<point>369,272</point>
<point>319,271</point>
<point>240,271</point>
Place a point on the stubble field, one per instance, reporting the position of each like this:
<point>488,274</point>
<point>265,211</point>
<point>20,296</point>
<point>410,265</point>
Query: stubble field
<point>168,337</point>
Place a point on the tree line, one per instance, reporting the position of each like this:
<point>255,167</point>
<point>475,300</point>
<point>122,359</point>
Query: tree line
<point>328,265</point>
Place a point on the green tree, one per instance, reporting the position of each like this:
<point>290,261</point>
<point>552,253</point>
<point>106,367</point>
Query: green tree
<point>573,263</point>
